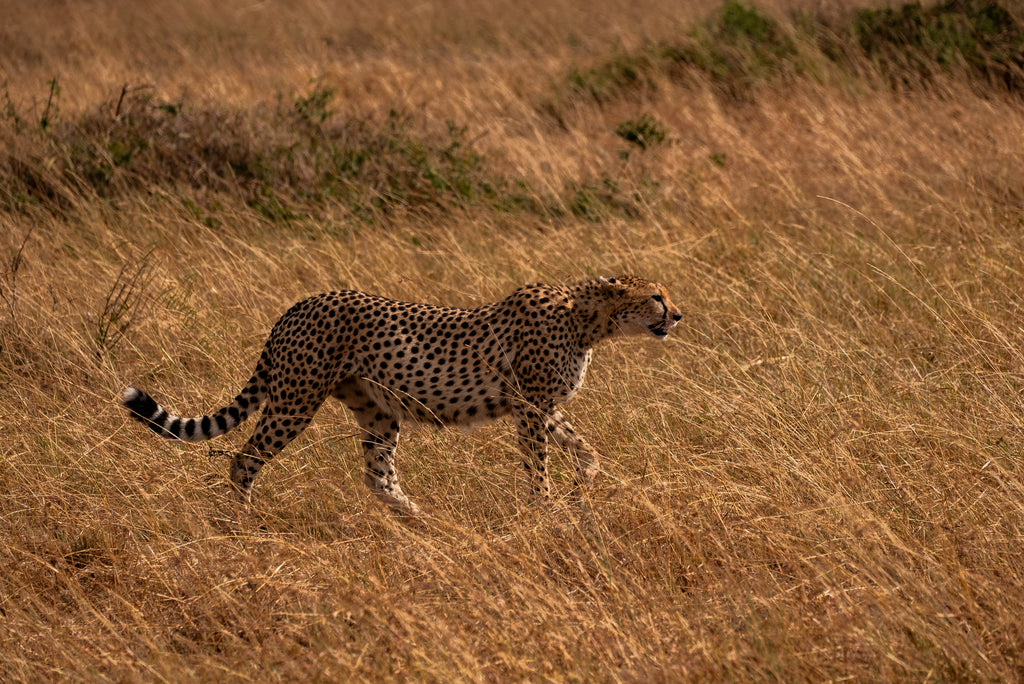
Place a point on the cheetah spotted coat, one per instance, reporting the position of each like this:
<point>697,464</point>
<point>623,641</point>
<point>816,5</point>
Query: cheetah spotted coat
<point>390,361</point>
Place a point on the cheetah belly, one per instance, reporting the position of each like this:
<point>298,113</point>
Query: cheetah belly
<point>441,404</point>
<point>448,385</point>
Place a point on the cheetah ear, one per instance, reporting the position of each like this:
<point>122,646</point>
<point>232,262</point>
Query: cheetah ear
<point>612,285</point>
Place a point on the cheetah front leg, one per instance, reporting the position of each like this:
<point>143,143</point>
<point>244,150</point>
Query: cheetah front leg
<point>379,438</point>
<point>588,460</point>
<point>533,443</point>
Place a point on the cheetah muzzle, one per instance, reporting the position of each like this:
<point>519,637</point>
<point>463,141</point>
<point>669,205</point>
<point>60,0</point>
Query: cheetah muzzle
<point>390,361</point>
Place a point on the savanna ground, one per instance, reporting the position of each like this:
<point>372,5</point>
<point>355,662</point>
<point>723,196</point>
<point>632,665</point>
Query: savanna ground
<point>817,477</point>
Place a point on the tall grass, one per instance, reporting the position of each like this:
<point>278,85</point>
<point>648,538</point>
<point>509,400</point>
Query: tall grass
<point>817,477</point>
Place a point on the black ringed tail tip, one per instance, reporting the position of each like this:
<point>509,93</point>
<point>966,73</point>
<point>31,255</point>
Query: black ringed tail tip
<point>145,410</point>
<point>139,403</point>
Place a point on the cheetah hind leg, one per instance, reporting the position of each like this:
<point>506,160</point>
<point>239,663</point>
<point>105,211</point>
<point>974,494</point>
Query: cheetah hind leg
<point>273,433</point>
<point>379,437</point>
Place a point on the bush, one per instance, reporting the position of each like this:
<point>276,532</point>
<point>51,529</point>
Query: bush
<point>283,162</point>
<point>911,42</point>
<point>644,131</point>
<point>739,47</point>
<point>621,74</point>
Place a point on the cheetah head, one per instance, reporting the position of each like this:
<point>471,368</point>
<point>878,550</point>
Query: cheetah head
<point>639,307</point>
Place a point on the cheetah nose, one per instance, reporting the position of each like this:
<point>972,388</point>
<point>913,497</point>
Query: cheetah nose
<point>677,317</point>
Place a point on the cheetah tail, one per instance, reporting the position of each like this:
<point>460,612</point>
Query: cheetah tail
<point>158,419</point>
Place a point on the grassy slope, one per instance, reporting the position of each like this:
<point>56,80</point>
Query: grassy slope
<point>819,476</point>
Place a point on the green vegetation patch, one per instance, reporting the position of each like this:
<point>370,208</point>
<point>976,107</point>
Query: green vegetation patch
<point>283,162</point>
<point>738,47</point>
<point>979,37</point>
<point>644,131</point>
<point>609,80</point>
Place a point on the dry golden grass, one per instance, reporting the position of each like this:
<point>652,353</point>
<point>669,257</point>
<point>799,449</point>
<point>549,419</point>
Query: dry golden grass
<point>818,477</point>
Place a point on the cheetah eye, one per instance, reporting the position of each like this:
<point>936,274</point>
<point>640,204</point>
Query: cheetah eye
<point>657,298</point>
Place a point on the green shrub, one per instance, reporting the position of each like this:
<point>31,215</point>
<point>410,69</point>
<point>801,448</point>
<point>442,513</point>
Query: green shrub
<point>622,73</point>
<point>282,162</point>
<point>736,47</point>
<point>739,47</point>
<point>644,131</point>
<point>911,41</point>
<point>742,43</point>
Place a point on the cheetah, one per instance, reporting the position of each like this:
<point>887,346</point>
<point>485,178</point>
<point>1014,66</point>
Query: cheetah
<point>390,361</point>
